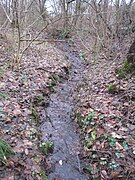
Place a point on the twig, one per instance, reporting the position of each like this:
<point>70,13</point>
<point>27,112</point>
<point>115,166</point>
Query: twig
<point>100,151</point>
<point>6,13</point>
<point>45,40</point>
<point>79,167</point>
<point>128,175</point>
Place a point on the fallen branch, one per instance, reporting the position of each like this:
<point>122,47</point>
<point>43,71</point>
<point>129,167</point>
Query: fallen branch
<point>45,40</point>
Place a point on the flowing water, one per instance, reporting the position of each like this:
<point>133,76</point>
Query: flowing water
<point>59,127</point>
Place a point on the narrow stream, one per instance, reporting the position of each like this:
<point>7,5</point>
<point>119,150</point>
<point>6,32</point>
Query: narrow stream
<point>59,127</point>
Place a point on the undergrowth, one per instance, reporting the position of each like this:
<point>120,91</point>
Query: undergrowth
<point>125,70</point>
<point>5,151</point>
<point>46,147</point>
<point>112,88</point>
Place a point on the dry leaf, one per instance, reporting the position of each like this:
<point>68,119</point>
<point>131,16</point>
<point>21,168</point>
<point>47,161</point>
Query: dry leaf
<point>115,135</point>
<point>27,133</point>
<point>17,112</point>
<point>119,146</point>
<point>89,129</point>
<point>27,143</point>
<point>104,175</point>
<point>2,85</point>
<point>7,119</point>
<point>115,175</point>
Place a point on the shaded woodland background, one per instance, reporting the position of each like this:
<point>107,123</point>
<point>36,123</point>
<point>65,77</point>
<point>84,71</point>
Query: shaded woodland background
<point>99,25</point>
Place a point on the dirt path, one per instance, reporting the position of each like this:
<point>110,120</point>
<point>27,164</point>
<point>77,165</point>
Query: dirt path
<point>58,126</point>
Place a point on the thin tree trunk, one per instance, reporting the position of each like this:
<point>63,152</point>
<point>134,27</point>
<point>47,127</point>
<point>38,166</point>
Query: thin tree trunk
<point>131,54</point>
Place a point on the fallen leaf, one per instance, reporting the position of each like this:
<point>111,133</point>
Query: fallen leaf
<point>27,143</point>
<point>17,112</point>
<point>27,133</point>
<point>11,178</point>
<point>18,149</point>
<point>2,85</point>
<point>115,135</point>
<point>27,111</point>
<point>119,146</point>
<point>104,175</point>
<point>7,119</point>
<point>89,129</point>
<point>131,126</point>
<point>116,175</point>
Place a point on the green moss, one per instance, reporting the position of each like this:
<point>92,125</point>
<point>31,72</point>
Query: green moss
<point>64,34</point>
<point>128,67</point>
<point>38,100</point>
<point>125,70</point>
<point>46,147</point>
<point>34,116</point>
<point>3,95</point>
<point>1,73</point>
<point>54,80</point>
<point>112,88</point>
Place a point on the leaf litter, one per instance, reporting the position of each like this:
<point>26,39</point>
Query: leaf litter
<point>108,135</point>
<point>106,121</point>
<point>18,89</point>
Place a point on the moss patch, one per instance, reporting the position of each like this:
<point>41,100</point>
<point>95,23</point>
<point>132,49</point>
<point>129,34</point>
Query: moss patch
<point>125,70</point>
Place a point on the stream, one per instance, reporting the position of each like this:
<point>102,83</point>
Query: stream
<point>59,127</point>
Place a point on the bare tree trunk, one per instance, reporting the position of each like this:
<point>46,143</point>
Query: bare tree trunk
<point>65,6</point>
<point>77,12</point>
<point>117,3</point>
<point>131,54</point>
<point>42,9</point>
<point>16,26</point>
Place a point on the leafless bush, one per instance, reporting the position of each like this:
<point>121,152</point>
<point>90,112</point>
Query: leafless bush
<point>98,24</point>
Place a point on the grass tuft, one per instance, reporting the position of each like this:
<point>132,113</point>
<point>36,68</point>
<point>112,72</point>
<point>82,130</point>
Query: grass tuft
<point>5,151</point>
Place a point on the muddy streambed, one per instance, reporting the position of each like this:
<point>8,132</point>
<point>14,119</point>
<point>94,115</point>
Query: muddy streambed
<point>58,126</point>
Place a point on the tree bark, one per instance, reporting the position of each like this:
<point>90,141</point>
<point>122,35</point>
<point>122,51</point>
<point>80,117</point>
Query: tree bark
<point>131,54</point>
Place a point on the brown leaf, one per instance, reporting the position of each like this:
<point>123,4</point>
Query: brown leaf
<point>38,177</point>
<point>102,145</point>
<point>17,112</point>
<point>8,178</point>
<point>11,178</point>
<point>27,143</point>
<point>89,129</point>
<point>119,146</point>
<point>104,175</point>
<point>2,85</point>
<point>18,149</point>
<point>27,171</point>
<point>37,169</point>
<point>115,175</point>
<point>27,133</point>
<point>8,120</point>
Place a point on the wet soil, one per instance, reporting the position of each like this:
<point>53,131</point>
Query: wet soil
<point>59,127</point>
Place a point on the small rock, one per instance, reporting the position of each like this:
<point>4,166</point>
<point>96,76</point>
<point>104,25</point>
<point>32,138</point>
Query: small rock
<point>60,162</point>
<point>26,151</point>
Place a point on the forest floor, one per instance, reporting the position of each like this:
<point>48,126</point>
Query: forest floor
<point>104,118</point>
